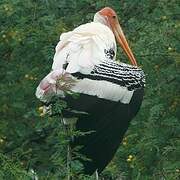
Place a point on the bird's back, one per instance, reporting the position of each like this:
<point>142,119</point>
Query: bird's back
<point>83,47</point>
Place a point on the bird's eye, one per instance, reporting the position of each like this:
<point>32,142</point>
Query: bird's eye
<point>114,17</point>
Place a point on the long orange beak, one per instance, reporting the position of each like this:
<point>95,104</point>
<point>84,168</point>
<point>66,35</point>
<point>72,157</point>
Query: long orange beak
<point>120,37</point>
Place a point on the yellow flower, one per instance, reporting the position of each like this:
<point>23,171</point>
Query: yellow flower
<point>19,39</point>
<point>40,109</point>
<point>177,170</point>
<point>31,78</point>
<point>164,17</point>
<point>129,160</point>
<point>130,157</point>
<point>124,143</point>
<point>1,140</point>
<point>170,48</point>
<point>6,9</point>
<point>41,114</point>
<point>125,139</point>
<point>26,76</point>
<point>177,25</point>
<point>3,36</point>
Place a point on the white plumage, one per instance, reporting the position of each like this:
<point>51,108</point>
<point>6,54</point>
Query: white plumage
<point>83,47</point>
<point>103,89</point>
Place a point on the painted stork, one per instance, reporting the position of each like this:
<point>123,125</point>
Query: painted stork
<point>110,92</point>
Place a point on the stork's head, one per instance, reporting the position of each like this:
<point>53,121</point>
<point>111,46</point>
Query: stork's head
<point>108,17</point>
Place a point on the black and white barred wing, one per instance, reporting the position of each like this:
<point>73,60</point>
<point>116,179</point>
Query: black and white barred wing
<point>110,80</point>
<point>122,74</point>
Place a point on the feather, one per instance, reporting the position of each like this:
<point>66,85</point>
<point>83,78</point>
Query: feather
<point>83,47</point>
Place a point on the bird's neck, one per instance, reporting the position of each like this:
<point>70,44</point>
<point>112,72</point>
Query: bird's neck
<point>100,19</point>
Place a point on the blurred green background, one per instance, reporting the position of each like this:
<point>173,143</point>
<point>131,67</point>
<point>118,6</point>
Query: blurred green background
<point>29,32</point>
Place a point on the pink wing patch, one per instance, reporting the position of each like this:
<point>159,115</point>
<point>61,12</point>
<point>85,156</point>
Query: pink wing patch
<point>55,83</point>
<point>47,87</point>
